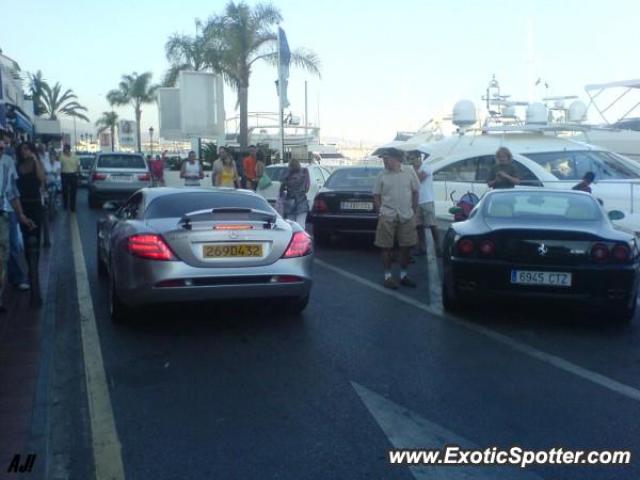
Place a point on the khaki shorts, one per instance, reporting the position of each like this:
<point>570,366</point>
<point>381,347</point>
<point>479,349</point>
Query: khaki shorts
<point>426,215</point>
<point>390,230</point>
<point>4,239</point>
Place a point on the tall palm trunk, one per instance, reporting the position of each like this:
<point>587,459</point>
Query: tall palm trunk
<point>113,138</point>
<point>138,135</point>
<point>243,100</point>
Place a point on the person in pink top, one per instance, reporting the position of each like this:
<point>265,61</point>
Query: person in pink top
<point>157,170</point>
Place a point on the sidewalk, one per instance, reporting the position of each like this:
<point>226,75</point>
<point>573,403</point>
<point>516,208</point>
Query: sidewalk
<point>20,363</point>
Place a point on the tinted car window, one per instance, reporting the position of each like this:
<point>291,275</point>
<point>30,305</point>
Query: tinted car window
<point>87,162</point>
<point>277,174</point>
<point>121,161</point>
<point>132,207</point>
<point>460,171</point>
<point>629,124</point>
<point>542,206</point>
<point>353,179</point>
<point>572,165</point>
<point>178,204</point>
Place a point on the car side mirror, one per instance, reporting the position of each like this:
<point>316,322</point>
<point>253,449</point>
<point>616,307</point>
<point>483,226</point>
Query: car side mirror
<point>616,215</point>
<point>456,210</point>
<point>111,206</point>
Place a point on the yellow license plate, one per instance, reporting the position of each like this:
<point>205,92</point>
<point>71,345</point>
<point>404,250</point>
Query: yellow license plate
<point>232,250</point>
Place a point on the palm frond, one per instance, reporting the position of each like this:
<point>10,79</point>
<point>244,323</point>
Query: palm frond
<point>265,16</point>
<point>307,60</point>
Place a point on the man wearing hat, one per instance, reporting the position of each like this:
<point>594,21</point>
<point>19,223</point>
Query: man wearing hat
<point>395,196</point>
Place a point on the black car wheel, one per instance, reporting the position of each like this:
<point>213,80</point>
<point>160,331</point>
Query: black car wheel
<point>625,313</point>
<point>118,311</point>
<point>294,306</point>
<point>94,204</point>
<point>321,237</point>
<point>102,268</point>
<point>451,301</point>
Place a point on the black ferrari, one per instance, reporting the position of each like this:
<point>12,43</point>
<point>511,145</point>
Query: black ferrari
<point>345,204</point>
<point>543,245</point>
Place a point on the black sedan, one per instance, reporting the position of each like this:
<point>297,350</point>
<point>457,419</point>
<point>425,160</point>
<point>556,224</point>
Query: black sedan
<point>345,204</point>
<point>543,245</point>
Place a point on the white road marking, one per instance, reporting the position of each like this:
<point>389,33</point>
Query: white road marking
<point>548,358</point>
<point>107,454</point>
<point>406,429</point>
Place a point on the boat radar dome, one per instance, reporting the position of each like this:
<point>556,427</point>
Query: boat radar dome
<point>537,114</point>
<point>464,114</point>
<point>577,112</point>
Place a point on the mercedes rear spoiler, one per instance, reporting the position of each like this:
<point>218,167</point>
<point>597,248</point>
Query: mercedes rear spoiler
<point>230,214</point>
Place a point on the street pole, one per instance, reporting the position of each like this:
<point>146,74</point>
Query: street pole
<point>306,109</point>
<point>281,106</point>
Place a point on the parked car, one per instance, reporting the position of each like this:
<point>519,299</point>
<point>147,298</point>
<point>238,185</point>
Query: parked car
<point>86,164</point>
<point>117,176</point>
<point>542,244</point>
<point>201,244</point>
<point>317,175</point>
<point>345,204</point>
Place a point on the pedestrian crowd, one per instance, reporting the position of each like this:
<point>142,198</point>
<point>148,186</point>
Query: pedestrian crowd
<point>404,199</point>
<point>29,175</point>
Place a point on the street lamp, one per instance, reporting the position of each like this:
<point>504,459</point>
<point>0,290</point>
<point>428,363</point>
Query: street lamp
<point>151,139</point>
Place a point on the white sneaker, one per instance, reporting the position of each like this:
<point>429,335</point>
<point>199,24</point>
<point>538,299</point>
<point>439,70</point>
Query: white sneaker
<point>23,287</point>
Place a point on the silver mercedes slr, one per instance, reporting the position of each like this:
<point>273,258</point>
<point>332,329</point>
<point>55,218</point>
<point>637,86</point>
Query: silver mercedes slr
<point>173,245</point>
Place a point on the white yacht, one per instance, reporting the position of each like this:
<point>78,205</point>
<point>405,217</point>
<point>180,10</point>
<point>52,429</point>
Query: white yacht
<point>543,154</point>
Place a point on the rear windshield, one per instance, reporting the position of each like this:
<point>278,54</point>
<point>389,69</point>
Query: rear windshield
<point>277,174</point>
<point>353,179</point>
<point>542,206</point>
<point>121,161</point>
<point>178,204</point>
<point>87,162</point>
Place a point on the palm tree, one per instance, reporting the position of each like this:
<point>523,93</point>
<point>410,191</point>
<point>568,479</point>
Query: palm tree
<point>108,121</point>
<point>55,102</point>
<point>135,90</point>
<point>240,37</point>
<point>36,92</point>
<point>184,52</point>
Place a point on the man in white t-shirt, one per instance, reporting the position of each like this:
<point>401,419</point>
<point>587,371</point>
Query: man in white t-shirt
<point>426,208</point>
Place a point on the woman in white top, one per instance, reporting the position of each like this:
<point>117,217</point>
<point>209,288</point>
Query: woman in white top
<point>192,171</point>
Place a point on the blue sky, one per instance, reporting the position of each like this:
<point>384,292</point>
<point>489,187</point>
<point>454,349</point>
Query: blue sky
<point>385,66</point>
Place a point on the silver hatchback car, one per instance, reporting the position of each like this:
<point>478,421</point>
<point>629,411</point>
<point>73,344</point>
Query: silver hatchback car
<point>173,245</point>
<point>117,176</point>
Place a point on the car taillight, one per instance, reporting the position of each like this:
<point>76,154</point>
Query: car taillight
<point>149,246</point>
<point>487,248</point>
<point>600,252</point>
<point>299,246</point>
<point>145,177</point>
<point>320,206</point>
<point>465,246</point>
<point>98,176</point>
<point>621,253</point>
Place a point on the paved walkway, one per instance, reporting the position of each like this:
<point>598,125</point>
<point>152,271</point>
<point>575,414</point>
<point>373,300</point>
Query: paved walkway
<point>20,364</point>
